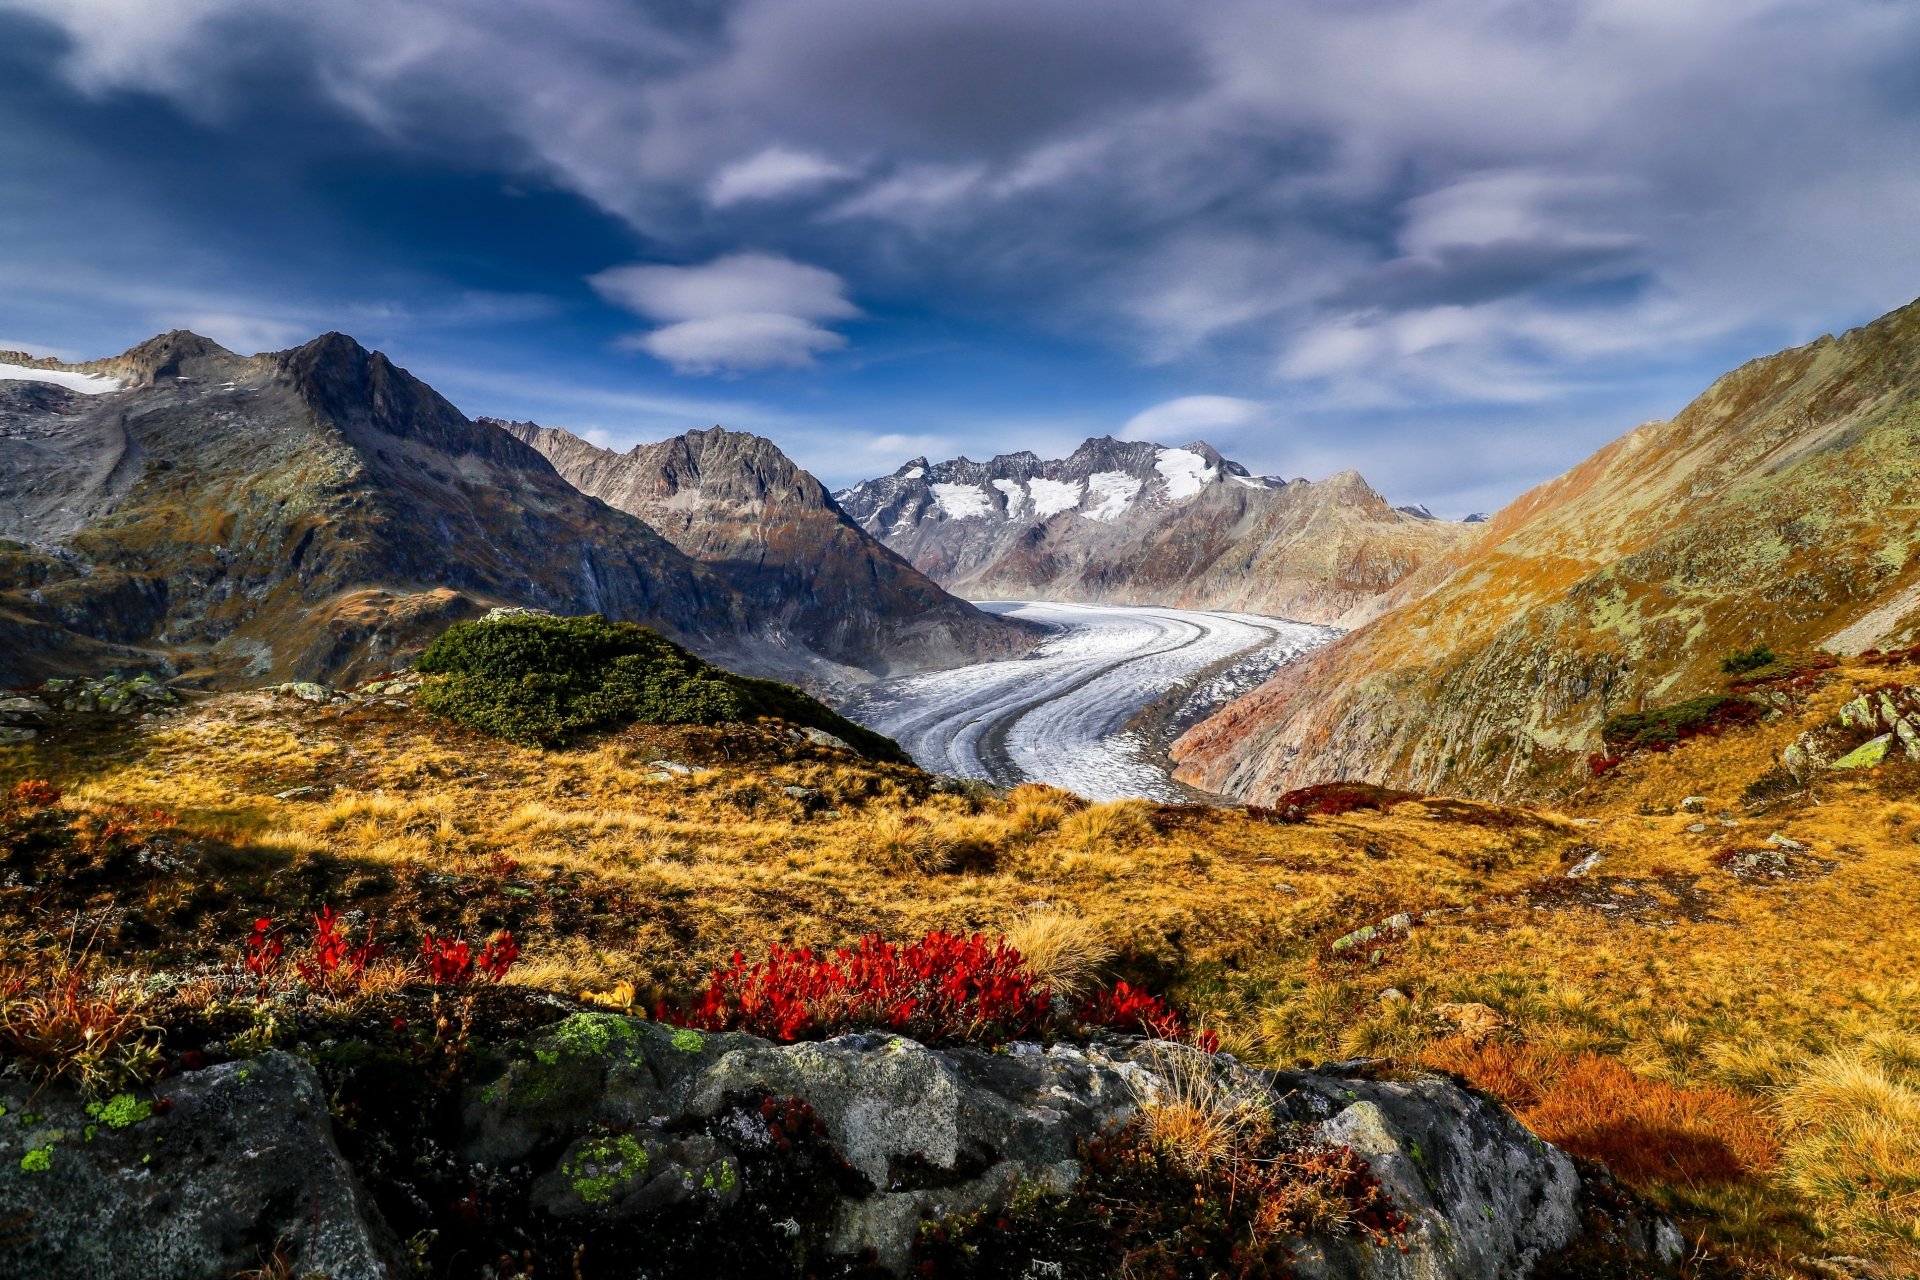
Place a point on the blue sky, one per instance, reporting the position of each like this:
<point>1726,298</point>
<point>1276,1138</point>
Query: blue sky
<point>1457,244</point>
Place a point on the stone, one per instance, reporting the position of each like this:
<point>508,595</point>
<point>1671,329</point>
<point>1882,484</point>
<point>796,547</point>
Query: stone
<point>1866,755</point>
<point>1786,842</point>
<point>1588,862</point>
<point>821,738</point>
<point>613,1102</point>
<point>243,1156</point>
<point>294,793</point>
<point>14,733</point>
<point>1393,995</point>
<point>1693,804</point>
<point>307,691</point>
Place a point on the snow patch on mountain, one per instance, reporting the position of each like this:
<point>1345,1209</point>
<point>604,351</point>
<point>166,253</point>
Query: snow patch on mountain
<point>85,383</point>
<point>1016,496</point>
<point>1051,497</point>
<point>1185,472</point>
<point>1110,493</point>
<point>962,501</point>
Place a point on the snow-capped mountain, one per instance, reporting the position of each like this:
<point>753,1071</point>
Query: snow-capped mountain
<point>1127,521</point>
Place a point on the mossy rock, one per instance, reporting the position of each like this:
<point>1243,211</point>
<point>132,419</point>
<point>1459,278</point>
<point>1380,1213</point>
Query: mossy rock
<point>542,681</point>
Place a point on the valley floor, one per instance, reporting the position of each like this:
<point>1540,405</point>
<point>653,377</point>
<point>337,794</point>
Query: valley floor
<point>1090,710</point>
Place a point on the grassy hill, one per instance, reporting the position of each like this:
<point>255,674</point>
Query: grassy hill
<point>1782,507</point>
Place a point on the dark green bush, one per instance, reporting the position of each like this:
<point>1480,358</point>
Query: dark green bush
<point>1741,661</point>
<point>1663,727</point>
<point>541,680</point>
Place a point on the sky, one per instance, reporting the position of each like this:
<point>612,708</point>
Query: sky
<point>1455,244</point>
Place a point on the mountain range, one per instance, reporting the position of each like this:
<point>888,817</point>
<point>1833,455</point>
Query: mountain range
<point>1780,508</point>
<point>321,513</point>
<point>1132,522</point>
<point>732,500</point>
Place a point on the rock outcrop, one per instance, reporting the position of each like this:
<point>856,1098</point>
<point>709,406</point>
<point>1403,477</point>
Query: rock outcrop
<point>235,1163</point>
<point>1129,522</point>
<point>623,1118</point>
<point>636,1145</point>
<point>1778,508</point>
<point>732,500</point>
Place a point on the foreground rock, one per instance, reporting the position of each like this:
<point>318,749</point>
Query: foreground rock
<point>623,1118</point>
<point>625,1147</point>
<point>238,1161</point>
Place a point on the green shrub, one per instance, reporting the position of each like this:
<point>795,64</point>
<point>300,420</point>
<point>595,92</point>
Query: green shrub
<point>1663,727</point>
<point>1741,661</point>
<point>541,680</point>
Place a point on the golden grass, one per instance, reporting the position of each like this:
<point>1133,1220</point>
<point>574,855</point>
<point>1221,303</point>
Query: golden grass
<point>1190,1116</point>
<point>1668,980</point>
<point>1062,950</point>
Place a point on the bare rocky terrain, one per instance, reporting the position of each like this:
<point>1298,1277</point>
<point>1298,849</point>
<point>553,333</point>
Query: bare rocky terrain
<point>1131,522</point>
<point>732,500</point>
<point>319,513</point>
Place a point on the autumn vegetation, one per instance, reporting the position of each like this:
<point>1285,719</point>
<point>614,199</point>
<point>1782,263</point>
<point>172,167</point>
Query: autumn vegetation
<point>1742,1048</point>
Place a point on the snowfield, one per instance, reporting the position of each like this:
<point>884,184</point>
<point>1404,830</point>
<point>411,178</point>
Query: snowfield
<point>88,383</point>
<point>1061,715</point>
<point>1186,473</point>
<point>962,501</point>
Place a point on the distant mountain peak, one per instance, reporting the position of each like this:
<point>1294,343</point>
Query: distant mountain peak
<point>1136,521</point>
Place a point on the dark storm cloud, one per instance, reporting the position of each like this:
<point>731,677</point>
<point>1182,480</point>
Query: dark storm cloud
<point>1370,217</point>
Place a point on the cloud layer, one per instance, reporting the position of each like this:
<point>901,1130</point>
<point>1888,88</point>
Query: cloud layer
<point>1502,218</point>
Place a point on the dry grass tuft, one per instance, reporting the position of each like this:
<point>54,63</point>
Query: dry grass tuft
<point>1101,828</point>
<point>1854,1143</point>
<point>1064,951</point>
<point>1191,1117</point>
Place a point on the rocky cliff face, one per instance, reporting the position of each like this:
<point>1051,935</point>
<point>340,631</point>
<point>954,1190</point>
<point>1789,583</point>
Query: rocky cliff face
<point>314,513</point>
<point>1782,506</point>
<point>1138,523</point>
<point>732,500</point>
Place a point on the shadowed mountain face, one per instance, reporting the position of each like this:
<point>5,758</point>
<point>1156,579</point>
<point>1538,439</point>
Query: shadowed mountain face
<point>732,500</point>
<point>1129,522</point>
<point>310,513</point>
<point>1781,507</point>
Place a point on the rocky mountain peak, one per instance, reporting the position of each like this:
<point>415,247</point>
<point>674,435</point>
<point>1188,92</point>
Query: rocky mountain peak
<point>178,354</point>
<point>360,389</point>
<point>1135,521</point>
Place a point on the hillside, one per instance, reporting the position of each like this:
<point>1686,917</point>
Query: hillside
<point>1129,522</point>
<point>733,500</point>
<point>1695,972</point>
<point>1782,507</point>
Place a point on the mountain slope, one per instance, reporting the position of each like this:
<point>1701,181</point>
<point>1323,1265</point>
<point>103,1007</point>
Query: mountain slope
<point>312,513</point>
<point>1138,523</point>
<point>734,501</point>
<point>1782,506</point>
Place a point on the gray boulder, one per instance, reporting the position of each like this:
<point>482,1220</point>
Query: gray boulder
<point>602,1106</point>
<point>241,1161</point>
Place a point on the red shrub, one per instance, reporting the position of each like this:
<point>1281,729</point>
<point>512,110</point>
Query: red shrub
<point>942,988</point>
<point>1599,762</point>
<point>1330,800</point>
<point>333,961</point>
<point>34,794</point>
<point>450,962</point>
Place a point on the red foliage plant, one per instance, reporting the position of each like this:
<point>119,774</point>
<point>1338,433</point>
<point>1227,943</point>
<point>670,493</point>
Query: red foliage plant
<point>1329,800</point>
<point>450,962</point>
<point>33,793</point>
<point>943,988</point>
<point>334,961</point>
